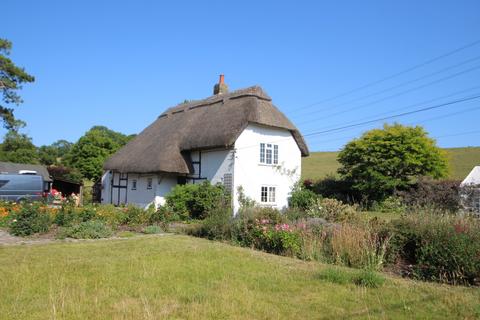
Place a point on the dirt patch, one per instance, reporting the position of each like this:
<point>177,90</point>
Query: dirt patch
<point>8,239</point>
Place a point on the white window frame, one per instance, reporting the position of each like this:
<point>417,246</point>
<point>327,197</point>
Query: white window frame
<point>268,153</point>
<point>149,183</point>
<point>134,184</point>
<point>268,194</point>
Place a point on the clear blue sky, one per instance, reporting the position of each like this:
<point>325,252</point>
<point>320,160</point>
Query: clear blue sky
<point>121,63</point>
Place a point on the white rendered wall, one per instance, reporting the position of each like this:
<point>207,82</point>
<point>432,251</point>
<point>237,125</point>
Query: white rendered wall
<point>142,196</point>
<point>106,188</point>
<point>252,175</point>
<point>214,164</point>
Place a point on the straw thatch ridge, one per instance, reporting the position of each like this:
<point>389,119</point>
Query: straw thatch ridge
<point>215,122</point>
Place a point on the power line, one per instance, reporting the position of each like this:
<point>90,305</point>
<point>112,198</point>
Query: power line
<point>394,95</point>
<point>434,137</point>
<point>401,84</point>
<point>459,134</point>
<point>370,84</point>
<point>414,123</point>
<point>477,96</point>
<point>447,115</point>
<point>409,106</point>
<point>396,115</point>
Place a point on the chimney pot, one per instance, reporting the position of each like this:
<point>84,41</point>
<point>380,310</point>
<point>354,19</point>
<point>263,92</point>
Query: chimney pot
<point>220,87</point>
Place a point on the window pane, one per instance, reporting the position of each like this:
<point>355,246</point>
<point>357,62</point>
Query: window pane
<point>149,183</point>
<point>263,196</point>
<point>262,152</point>
<point>271,194</point>
<point>275,154</point>
<point>269,156</point>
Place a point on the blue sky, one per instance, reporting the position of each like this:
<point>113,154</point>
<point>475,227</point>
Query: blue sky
<point>121,63</point>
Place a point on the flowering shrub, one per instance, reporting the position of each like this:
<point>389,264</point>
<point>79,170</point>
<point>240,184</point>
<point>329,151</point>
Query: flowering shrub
<point>278,238</point>
<point>7,211</point>
<point>135,215</point>
<point>29,219</point>
<point>111,215</point>
<point>439,248</point>
<point>332,210</point>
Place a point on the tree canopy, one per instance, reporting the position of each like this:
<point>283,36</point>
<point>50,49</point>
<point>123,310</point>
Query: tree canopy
<point>11,79</point>
<point>54,153</point>
<point>90,152</point>
<point>18,147</point>
<point>384,160</point>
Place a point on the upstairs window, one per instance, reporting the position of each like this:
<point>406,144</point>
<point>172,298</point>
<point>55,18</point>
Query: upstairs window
<point>262,152</point>
<point>134,184</point>
<point>268,153</point>
<point>149,183</point>
<point>267,194</point>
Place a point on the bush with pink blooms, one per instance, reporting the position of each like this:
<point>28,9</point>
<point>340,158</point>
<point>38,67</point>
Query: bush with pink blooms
<point>277,238</point>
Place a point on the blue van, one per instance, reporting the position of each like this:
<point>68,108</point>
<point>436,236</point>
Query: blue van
<point>22,187</point>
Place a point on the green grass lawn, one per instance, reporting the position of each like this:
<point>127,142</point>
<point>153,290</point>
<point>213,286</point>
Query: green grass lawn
<point>190,278</point>
<point>320,164</point>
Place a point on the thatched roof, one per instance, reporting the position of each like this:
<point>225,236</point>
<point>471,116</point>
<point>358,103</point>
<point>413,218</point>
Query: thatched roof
<point>14,168</point>
<point>215,122</point>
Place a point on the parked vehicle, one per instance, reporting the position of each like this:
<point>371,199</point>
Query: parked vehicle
<point>22,187</point>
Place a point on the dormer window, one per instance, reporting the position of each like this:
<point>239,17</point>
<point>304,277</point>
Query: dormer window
<point>268,153</point>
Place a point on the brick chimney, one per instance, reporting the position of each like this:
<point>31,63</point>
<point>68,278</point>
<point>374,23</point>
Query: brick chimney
<point>220,87</point>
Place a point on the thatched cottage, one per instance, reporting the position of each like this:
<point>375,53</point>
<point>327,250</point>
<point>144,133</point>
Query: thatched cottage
<point>236,139</point>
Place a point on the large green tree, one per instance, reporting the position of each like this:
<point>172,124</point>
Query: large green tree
<point>18,147</point>
<point>54,153</point>
<point>384,160</point>
<point>11,79</point>
<point>90,152</point>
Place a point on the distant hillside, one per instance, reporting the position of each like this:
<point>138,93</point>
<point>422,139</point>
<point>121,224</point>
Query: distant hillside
<point>320,164</point>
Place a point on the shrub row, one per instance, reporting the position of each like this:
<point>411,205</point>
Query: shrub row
<point>444,248</point>
<point>439,195</point>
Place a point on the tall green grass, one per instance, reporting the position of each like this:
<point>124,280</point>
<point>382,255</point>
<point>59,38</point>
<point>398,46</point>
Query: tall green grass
<point>181,277</point>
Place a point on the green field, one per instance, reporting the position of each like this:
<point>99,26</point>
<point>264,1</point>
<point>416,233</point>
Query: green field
<point>321,164</point>
<point>181,277</point>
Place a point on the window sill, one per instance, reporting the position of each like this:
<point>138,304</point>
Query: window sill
<point>268,165</point>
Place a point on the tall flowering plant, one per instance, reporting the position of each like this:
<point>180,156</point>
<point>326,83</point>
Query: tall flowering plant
<point>7,212</point>
<point>278,238</point>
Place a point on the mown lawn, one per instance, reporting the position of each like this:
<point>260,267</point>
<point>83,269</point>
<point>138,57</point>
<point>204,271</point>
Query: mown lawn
<point>189,278</point>
<point>320,164</point>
